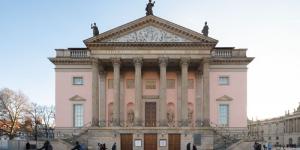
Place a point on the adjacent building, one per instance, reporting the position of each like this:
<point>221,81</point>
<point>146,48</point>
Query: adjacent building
<point>150,84</point>
<point>283,130</point>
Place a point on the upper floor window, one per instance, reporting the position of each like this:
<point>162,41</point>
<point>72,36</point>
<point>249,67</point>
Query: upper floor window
<point>224,80</point>
<point>191,83</point>
<point>150,84</point>
<point>130,84</point>
<point>110,83</point>
<point>171,84</point>
<point>224,114</point>
<point>77,81</point>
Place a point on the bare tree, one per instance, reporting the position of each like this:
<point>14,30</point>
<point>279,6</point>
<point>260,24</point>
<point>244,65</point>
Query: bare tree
<point>35,113</point>
<point>48,113</point>
<point>15,105</point>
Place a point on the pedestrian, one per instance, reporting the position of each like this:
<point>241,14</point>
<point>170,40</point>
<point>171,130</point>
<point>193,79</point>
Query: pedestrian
<point>47,146</point>
<point>270,146</point>
<point>104,147</point>
<point>114,147</point>
<point>194,147</point>
<point>188,146</point>
<point>27,145</point>
<point>77,146</point>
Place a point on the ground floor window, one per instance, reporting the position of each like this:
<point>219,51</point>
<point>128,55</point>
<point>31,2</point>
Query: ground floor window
<point>224,114</point>
<point>78,115</point>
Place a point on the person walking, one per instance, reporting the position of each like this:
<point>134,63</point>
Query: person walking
<point>194,147</point>
<point>188,146</point>
<point>27,145</point>
<point>114,147</point>
<point>47,146</point>
<point>77,146</point>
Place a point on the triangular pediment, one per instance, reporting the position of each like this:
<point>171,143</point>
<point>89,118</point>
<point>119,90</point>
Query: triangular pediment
<point>77,98</point>
<point>225,98</point>
<point>150,29</point>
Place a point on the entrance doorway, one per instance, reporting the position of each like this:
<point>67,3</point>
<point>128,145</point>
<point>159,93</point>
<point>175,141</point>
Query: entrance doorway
<point>174,141</point>
<point>150,141</point>
<point>126,142</point>
<point>150,114</point>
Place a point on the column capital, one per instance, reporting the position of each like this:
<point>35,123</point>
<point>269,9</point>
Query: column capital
<point>185,60</point>
<point>138,60</point>
<point>101,70</point>
<point>205,60</point>
<point>116,60</point>
<point>95,61</point>
<point>163,61</point>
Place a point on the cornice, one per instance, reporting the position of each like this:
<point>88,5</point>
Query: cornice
<point>231,61</point>
<point>71,61</point>
<point>151,44</point>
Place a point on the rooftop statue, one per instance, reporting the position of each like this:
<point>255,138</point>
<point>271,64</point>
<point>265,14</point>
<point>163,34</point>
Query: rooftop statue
<point>149,8</point>
<point>95,29</point>
<point>205,29</point>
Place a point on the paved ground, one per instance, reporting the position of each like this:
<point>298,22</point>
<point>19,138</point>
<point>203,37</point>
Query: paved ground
<point>244,146</point>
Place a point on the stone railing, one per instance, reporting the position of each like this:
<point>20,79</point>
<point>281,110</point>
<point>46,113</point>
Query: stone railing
<point>228,53</point>
<point>73,53</point>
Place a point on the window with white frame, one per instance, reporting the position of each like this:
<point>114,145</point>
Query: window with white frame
<point>224,114</point>
<point>78,115</point>
<point>224,80</point>
<point>77,81</point>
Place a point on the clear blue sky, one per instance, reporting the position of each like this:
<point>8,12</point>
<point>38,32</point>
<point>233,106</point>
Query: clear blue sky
<point>30,31</point>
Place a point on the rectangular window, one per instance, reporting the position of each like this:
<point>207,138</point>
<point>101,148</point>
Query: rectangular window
<point>224,114</point>
<point>150,84</point>
<point>170,83</point>
<point>130,84</point>
<point>191,84</point>
<point>77,81</point>
<point>78,115</point>
<point>223,80</point>
<point>110,83</point>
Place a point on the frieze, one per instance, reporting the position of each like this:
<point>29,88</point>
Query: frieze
<point>149,34</point>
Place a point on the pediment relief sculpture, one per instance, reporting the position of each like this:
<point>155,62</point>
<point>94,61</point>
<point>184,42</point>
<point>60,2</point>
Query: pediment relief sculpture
<point>77,98</point>
<point>225,98</point>
<point>149,34</point>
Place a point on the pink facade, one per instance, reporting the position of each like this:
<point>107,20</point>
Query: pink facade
<point>65,90</point>
<point>237,90</point>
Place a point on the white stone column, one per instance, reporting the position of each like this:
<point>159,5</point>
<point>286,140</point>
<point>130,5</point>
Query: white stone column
<point>199,98</point>
<point>184,91</point>
<point>95,93</point>
<point>116,107</point>
<point>138,91</point>
<point>163,61</point>
<point>102,73</point>
<point>178,112</point>
<point>206,103</point>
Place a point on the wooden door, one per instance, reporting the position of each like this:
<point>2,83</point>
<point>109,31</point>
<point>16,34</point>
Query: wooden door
<point>150,141</point>
<point>126,142</point>
<point>150,114</point>
<point>174,142</point>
